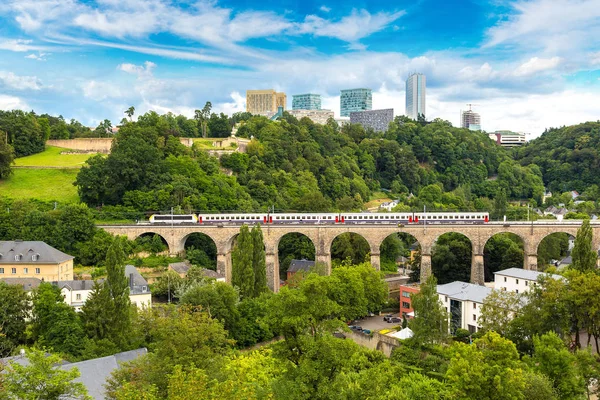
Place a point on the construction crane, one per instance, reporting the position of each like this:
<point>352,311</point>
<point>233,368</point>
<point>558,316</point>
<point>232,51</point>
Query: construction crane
<point>470,106</point>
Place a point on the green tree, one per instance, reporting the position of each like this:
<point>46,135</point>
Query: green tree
<point>500,205</point>
<point>7,156</point>
<point>130,111</point>
<point>118,287</point>
<point>430,324</point>
<point>242,271</point>
<point>498,311</point>
<point>13,316</point>
<point>41,379</point>
<point>258,261</point>
<point>584,257</point>
<point>218,299</point>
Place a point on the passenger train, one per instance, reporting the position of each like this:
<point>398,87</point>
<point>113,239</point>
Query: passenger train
<point>324,218</point>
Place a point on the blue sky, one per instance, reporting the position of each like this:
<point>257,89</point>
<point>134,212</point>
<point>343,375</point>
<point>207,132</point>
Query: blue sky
<point>527,64</point>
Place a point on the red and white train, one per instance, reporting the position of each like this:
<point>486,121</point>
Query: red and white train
<point>325,218</point>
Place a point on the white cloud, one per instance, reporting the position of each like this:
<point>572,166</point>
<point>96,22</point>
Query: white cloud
<point>17,82</point>
<point>139,70</point>
<point>99,91</point>
<point>12,103</point>
<point>535,64</point>
<point>20,45</point>
<point>238,104</point>
<point>325,9</point>
<point>595,58</point>
<point>39,57</point>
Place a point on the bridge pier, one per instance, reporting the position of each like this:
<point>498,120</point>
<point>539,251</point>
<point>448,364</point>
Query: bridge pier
<point>324,259</point>
<point>425,266</point>
<point>477,269</point>
<point>224,265</point>
<point>530,262</point>
<point>272,264</point>
<point>376,261</point>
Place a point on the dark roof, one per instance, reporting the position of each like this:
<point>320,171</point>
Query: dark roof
<point>27,283</point>
<point>300,265</point>
<point>180,267</point>
<point>76,285</point>
<point>209,273</point>
<point>137,283</point>
<point>46,254</point>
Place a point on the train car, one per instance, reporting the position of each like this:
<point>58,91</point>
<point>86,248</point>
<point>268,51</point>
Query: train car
<point>376,218</point>
<point>452,218</point>
<point>304,218</point>
<point>173,219</point>
<point>240,219</point>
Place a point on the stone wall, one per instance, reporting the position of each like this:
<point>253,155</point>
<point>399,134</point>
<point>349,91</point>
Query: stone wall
<point>97,145</point>
<point>375,341</point>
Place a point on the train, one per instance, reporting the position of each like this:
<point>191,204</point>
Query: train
<point>324,218</point>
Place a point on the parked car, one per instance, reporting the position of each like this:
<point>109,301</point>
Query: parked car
<point>366,331</point>
<point>386,317</point>
<point>394,320</point>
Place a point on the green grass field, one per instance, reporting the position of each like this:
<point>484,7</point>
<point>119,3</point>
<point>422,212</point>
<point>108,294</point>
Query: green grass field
<point>43,184</point>
<point>51,157</point>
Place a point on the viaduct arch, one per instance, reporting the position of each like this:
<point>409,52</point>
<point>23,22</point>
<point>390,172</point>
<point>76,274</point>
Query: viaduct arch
<point>322,237</point>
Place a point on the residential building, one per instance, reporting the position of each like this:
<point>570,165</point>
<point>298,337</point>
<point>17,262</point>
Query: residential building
<point>265,101</point>
<point>406,308</point>
<point>34,259</point>
<point>316,116</point>
<point>508,138</point>
<point>299,266</point>
<point>388,205</point>
<point>378,120</point>
<point>355,100</point>
<point>518,280</point>
<point>139,291</point>
<point>463,303</point>
<point>558,213</point>
<point>181,268</point>
<point>28,284</point>
<point>76,293</point>
<point>470,120</point>
<point>415,96</point>
<point>307,101</point>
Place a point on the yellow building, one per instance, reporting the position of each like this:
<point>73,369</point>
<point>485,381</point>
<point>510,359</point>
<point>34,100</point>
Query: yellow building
<point>20,259</point>
<point>265,101</point>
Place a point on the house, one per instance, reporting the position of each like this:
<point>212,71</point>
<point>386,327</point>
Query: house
<point>574,194</point>
<point>139,291</point>
<point>34,259</point>
<point>28,284</point>
<point>389,205</point>
<point>181,268</point>
<point>406,309</point>
<point>209,273</point>
<point>517,280</point>
<point>299,266</point>
<point>75,293</point>
<point>415,248</point>
<point>558,213</point>
<point>463,302</point>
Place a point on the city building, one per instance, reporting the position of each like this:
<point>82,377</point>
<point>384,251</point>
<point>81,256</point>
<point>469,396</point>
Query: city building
<point>415,96</point>
<point>25,259</point>
<point>463,303</point>
<point>388,205</point>
<point>307,101</point>
<point>264,101</point>
<point>28,284</point>
<point>378,120</point>
<point>518,280</point>
<point>406,309</point>
<point>355,100</point>
<point>76,293</point>
<point>139,291</point>
<point>470,120</point>
<point>508,138</point>
<point>299,266</point>
<point>316,116</point>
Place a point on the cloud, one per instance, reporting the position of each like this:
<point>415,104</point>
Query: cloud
<point>100,91</point>
<point>139,70</point>
<point>325,9</point>
<point>20,45</point>
<point>39,57</point>
<point>12,103</point>
<point>9,79</point>
<point>238,104</point>
<point>536,64</point>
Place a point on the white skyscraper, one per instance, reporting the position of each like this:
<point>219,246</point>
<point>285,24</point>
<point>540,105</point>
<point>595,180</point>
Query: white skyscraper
<point>415,96</point>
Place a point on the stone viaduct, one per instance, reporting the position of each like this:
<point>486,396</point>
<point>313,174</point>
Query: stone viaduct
<point>322,237</point>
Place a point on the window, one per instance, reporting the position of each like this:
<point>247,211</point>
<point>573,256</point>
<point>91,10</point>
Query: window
<point>37,271</point>
<point>35,257</point>
<point>18,257</point>
<point>474,317</point>
<point>504,279</point>
<point>516,290</point>
<point>78,296</point>
<point>405,304</point>
<point>405,294</point>
<point>504,289</point>
<point>472,329</point>
<point>474,306</point>
<point>13,270</point>
<point>446,299</point>
<point>526,283</point>
<point>144,288</point>
<point>25,270</point>
<point>517,281</point>
<point>1,270</point>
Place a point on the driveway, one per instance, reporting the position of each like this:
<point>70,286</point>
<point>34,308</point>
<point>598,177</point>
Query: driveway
<point>375,323</point>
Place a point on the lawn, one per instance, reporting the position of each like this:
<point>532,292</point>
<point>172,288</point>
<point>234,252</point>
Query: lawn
<point>51,157</point>
<point>43,184</point>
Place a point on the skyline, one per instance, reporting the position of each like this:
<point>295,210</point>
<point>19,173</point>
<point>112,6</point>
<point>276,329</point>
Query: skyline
<point>530,65</point>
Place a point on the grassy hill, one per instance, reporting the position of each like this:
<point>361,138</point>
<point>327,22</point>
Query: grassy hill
<point>48,175</point>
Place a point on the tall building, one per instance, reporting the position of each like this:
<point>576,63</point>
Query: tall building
<point>508,138</point>
<point>264,101</point>
<point>378,120</point>
<point>355,100</point>
<point>415,96</point>
<point>470,120</point>
<point>307,101</point>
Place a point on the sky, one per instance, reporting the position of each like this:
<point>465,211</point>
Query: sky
<point>527,65</point>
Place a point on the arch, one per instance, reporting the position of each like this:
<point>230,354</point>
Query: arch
<point>200,249</point>
<point>452,258</point>
<point>397,251</point>
<point>147,242</point>
<point>501,251</point>
<point>553,247</point>
<point>293,245</point>
<point>350,245</point>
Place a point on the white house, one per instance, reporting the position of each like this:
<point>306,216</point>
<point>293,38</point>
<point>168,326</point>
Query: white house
<point>517,280</point>
<point>76,292</point>
<point>463,302</point>
<point>388,205</point>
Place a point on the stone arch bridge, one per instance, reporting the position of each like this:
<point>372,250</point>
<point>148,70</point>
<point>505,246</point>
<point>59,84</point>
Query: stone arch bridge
<point>322,237</point>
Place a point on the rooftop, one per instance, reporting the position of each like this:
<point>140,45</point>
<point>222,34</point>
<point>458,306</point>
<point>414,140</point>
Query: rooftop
<point>464,291</point>
<point>30,252</point>
<point>26,283</point>
<point>75,285</point>
<point>524,274</point>
<point>180,267</point>
<point>300,265</point>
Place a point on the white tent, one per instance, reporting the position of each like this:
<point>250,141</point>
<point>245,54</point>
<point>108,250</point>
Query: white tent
<point>405,333</point>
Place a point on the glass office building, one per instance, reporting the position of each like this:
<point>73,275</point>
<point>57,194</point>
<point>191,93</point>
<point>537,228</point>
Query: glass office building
<point>415,96</point>
<point>355,100</point>
<point>307,101</point>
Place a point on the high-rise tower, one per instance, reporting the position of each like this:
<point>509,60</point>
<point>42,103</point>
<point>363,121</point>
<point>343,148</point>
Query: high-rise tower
<point>415,96</point>
<point>355,100</point>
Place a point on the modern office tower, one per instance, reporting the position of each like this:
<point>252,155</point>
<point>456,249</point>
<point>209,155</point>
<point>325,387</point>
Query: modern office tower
<point>306,101</point>
<point>415,96</point>
<point>470,120</point>
<point>355,100</point>
<point>378,120</point>
<point>264,101</point>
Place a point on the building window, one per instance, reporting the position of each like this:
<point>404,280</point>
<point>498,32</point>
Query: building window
<point>405,304</point>
<point>13,270</point>
<point>405,294</point>
<point>1,270</point>
<point>35,257</point>
<point>472,329</point>
<point>18,257</point>
<point>446,299</point>
<point>517,281</point>
<point>25,270</point>
<point>474,317</point>
<point>37,271</point>
<point>474,306</point>
<point>526,283</point>
<point>78,296</point>
<point>517,291</point>
<point>504,279</point>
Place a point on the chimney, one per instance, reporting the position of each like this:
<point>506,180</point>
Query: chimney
<point>130,281</point>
